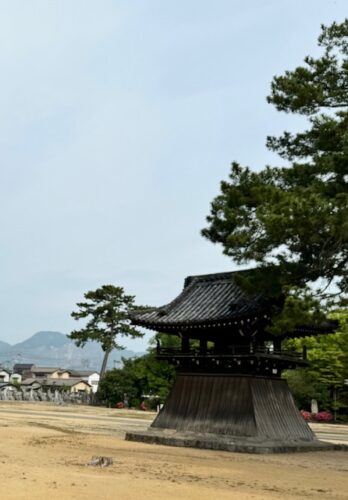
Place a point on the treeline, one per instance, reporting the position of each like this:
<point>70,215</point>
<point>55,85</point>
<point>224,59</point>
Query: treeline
<point>140,379</point>
<point>326,378</point>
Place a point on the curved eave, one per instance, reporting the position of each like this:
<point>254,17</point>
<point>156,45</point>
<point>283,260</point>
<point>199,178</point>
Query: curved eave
<point>236,323</point>
<point>206,301</point>
<point>326,327</point>
<point>240,322</point>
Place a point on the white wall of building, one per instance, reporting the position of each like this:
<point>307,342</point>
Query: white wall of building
<point>4,376</point>
<point>93,381</point>
<point>16,377</point>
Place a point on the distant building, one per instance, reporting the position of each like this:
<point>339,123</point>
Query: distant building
<point>16,378</point>
<point>4,375</point>
<point>72,385</point>
<point>49,372</point>
<point>90,376</point>
<point>20,368</point>
<point>31,383</point>
<point>31,376</point>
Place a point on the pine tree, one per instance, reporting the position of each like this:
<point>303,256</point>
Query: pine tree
<point>107,310</point>
<point>292,221</point>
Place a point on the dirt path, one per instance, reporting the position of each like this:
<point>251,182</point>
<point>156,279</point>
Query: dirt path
<point>44,450</point>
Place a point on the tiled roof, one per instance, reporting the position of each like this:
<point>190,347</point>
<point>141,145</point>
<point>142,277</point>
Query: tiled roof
<point>82,373</point>
<point>44,369</point>
<point>3,369</point>
<point>20,367</point>
<point>60,382</point>
<point>30,381</point>
<point>205,299</point>
<point>216,300</point>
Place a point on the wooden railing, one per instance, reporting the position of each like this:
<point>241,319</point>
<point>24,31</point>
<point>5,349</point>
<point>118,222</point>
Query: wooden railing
<point>228,352</point>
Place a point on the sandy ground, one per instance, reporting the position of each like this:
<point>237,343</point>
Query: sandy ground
<point>44,450</point>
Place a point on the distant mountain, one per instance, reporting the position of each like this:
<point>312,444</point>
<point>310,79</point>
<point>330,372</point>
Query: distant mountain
<point>4,346</point>
<point>40,339</point>
<point>56,349</point>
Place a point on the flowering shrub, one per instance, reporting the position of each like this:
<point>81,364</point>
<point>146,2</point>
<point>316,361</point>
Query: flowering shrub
<point>323,416</point>
<point>306,415</point>
<point>143,406</point>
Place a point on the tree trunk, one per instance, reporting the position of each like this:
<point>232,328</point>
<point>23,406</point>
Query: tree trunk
<point>105,362</point>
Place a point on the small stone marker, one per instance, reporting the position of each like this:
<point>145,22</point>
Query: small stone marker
<point>314,406</point>
<point>101,461</point>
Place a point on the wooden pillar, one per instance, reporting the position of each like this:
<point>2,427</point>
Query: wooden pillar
<point>185,344</point>
<point>277,345</point>
<point>203,346</point>
<point>217,346</point>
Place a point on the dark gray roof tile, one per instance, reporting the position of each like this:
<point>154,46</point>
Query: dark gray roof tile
<point>211,299</point>
<point>205,299</point>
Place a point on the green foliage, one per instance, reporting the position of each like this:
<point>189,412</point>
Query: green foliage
<point>325,378</point>
<point>165,340</point>
<point>299,308</point>
<point>322,82</point>
<point>292,221</point>
<point>116,385</point>
<point>139,377</point>
<point>305,387</point>
<point>107,312</point>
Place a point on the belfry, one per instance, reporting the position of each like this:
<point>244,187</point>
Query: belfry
<point>228,394</point>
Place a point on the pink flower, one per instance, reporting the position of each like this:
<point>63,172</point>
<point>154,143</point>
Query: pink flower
<point>323,416</point>
<point>306,414</point>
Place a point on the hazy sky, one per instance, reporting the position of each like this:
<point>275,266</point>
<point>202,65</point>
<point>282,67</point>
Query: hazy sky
<point>118,121</point>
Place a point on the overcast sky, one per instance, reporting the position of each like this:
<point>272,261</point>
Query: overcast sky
<point>118,121</point>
